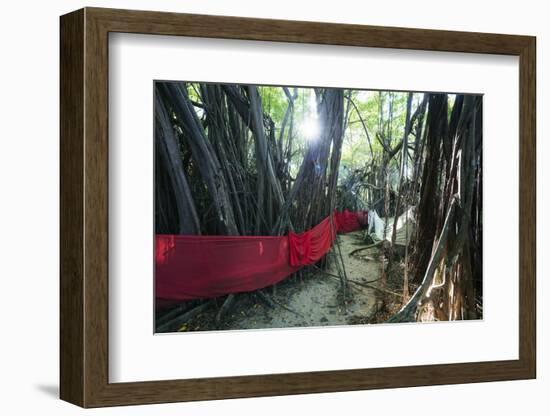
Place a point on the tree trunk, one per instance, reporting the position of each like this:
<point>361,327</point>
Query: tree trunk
<point>170,158</point>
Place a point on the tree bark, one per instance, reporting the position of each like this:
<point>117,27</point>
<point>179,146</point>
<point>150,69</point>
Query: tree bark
<point>167,145</point>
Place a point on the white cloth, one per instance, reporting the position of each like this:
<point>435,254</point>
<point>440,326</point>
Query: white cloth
<point>406,226</point>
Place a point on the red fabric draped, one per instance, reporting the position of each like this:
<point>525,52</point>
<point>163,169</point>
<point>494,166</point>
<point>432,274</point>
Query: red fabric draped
<point>347,221</point>
<point>193,267</point>
<point>310,246</point>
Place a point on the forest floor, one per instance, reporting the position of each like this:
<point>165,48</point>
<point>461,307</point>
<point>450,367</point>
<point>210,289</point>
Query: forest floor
<point>311,300</point>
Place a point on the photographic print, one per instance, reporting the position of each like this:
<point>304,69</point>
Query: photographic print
<point>336,199</point>
<point>290,206</point>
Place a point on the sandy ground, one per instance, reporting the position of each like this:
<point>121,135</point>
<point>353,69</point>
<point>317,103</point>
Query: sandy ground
<point>312,300</point>
<point>316,299</point>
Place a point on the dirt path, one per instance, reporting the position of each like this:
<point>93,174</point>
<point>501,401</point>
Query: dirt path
<point>313,300</point>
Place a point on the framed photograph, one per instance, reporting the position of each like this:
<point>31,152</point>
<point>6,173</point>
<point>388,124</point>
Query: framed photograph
<point>255,207</point>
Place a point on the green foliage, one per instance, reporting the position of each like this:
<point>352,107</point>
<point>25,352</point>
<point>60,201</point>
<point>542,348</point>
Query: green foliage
<point>381,113</point>
<point>274,102</point>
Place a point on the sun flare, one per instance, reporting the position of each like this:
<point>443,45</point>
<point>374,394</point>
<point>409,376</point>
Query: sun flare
<point>310,129</point>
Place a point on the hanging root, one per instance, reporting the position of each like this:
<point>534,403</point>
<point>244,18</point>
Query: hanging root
<point>409,312</point>
<point>178,310</point>
<point>172,324</point>
<point>273,303</point>
<point>225,306</point>
<point>365,248</point>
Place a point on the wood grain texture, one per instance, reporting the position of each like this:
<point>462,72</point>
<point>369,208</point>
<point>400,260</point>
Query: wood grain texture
<point>527,208</point>
<point>71,213</point>
<point>84,207</point>
<point>96,214</point>
<point>226,27</point>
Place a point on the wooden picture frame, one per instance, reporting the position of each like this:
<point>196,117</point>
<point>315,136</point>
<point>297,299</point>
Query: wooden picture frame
<point>84,207</point>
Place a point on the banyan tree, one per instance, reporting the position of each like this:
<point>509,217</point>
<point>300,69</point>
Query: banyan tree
<point>254,161</point>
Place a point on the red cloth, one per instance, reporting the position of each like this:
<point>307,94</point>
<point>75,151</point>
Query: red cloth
<point>310,246</point>
<point>193,267</point>
<point>363,218</point>
<point>347,221</point>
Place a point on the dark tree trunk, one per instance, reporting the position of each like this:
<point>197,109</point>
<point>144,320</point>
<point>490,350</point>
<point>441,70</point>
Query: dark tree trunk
<point>429,191</point>
<point>203,154</point>
<point>169,161</point>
